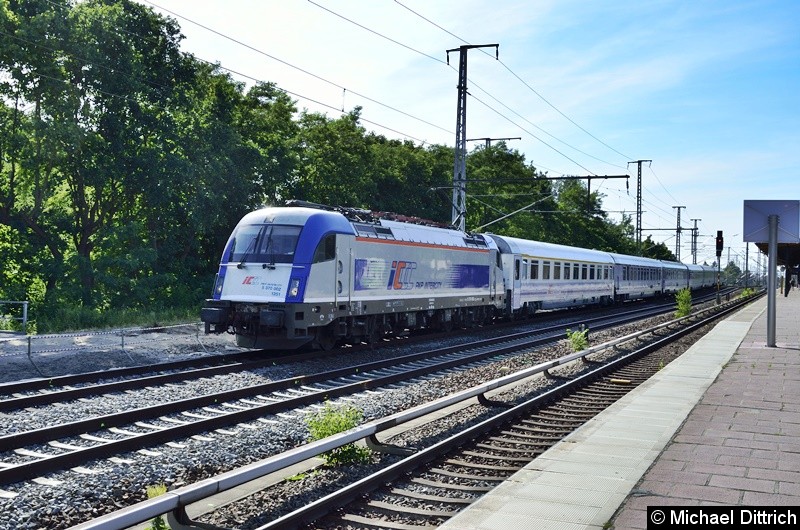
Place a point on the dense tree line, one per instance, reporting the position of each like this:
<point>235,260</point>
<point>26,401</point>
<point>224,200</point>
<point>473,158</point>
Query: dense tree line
<point>125,163</point>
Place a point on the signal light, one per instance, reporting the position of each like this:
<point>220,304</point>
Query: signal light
<point>720,243</point>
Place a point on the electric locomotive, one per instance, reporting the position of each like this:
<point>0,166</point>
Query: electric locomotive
<point>314,275</point>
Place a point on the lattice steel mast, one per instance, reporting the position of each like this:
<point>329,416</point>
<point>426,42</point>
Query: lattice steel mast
<point>460,164</point>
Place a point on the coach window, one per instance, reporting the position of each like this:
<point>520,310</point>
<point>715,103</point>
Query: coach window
<point>584,272</point>
<point>525,269</point>
<point>557,270</point>
<point>567,267</point>
<point>576,271</point>
<point>545,270</point>
<point>326,250</point>
<point>534,269</point>
<point>591,272</point>
<point>516,269</point>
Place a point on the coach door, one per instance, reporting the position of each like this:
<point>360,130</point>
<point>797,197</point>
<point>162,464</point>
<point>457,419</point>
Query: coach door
<point>517,289</point>
<point>495,257</point>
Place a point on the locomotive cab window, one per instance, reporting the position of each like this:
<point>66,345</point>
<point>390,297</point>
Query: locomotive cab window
<point>265,243</point>
<point>326,249</point>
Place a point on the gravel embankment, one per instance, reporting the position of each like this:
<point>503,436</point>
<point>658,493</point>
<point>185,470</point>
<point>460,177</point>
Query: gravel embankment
<point>66,498</point>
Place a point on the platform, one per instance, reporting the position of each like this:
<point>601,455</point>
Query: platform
<point>718,426</point>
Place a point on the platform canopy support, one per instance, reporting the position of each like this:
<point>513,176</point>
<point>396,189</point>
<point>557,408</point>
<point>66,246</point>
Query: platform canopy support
<point>776,225</point>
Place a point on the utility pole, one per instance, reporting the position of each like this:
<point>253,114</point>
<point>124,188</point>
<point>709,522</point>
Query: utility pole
<point>489,140</point>
<point>460,163</point>
<point>639,204</point>
<point>678,234</point>
<point>694,242</point>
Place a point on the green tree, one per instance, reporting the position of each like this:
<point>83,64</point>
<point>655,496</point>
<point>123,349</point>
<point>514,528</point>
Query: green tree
<point>500,183</point>
<point>407,179</point>
<point>731,273</point>
<point>650,249</point>
<point>335,161</point>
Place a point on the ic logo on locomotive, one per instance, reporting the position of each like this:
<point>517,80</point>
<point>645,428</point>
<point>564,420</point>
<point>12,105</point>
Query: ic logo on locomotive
<point>400,275</point>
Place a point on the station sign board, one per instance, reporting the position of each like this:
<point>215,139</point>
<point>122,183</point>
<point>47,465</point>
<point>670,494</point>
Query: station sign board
<point>756,220</point>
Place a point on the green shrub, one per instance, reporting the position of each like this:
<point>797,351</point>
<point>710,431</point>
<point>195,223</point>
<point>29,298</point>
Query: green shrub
<point>579,339</point>
<point>333,420</point>
<point>747,292</point>
<point>74,318</point>
<point>683,298</point>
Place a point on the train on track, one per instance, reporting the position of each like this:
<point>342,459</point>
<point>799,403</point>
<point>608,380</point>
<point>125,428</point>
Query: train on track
<point>312,275</point>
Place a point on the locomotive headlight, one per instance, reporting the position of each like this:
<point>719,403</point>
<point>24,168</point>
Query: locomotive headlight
<point>294,287</point>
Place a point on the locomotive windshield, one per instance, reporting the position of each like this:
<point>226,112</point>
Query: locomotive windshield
<point>266,243</point>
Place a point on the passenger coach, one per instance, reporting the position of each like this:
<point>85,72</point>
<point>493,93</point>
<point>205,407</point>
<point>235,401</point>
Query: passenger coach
<point>549,276</point>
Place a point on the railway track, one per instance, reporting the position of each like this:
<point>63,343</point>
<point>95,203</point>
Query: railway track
<point>58,389</point>
<point>437,491</point>
<point>427,488</point>
<point>103,446</point>
<point>33,453</point>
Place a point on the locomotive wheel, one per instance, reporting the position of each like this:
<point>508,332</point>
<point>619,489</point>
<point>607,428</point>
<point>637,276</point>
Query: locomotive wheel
<point>326,337</point>
<point>374,332</point>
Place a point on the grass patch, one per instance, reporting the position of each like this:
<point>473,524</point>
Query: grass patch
<point>333,420</point>
<point>157,523</point>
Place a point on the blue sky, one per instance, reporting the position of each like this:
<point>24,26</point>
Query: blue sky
<point>708,90</point>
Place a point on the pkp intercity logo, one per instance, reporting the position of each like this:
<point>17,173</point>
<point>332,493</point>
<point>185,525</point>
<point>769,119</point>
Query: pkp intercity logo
<point>400,275</point>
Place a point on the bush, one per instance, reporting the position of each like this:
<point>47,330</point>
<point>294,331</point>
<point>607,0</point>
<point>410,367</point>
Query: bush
<point>684,300</point>
<point>579,339</point>
<point>66,317</point>
<point>333,420</point>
